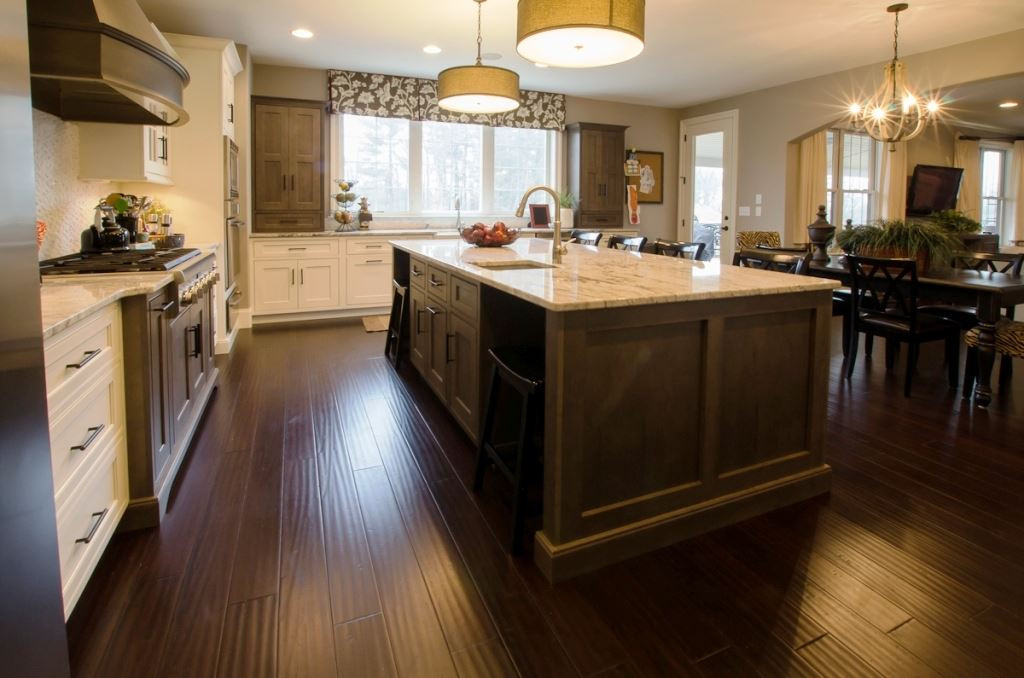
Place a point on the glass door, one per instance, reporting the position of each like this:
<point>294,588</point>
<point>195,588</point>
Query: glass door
<point>707,185</point>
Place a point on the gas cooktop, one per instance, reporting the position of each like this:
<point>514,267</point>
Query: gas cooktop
<point>117,262</point>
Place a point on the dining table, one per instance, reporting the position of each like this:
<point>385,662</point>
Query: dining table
<point>989,292</point>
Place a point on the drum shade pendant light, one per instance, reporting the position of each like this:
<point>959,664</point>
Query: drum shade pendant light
<point>895,113</point>
<point>478,88</point>
<point>580,33</point>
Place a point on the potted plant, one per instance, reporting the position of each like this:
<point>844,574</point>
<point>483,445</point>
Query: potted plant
<point>566,204</point>
<point>929,243</point>
<point>956,221</point>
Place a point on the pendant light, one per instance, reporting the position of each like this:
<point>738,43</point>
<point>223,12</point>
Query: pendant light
<point>478,88</point>
<point>580,33</point>
<point>895,113</point>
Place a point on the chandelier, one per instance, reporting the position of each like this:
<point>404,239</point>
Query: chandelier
<point>894,113</point>
<point>478,88</point>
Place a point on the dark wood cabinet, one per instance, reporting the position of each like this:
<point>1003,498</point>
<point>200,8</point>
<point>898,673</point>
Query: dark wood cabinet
<point>595,156</point>
<point>463,372</point>
<point>288,163</point>
<point>437,355</point>
<point>179,341</point>
<point>418,333</point>
<point>160,308</point>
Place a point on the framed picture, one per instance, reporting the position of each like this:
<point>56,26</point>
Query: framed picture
<point>540,216</point>
<point>651,182</point>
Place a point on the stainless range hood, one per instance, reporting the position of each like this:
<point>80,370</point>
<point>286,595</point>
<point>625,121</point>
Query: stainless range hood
<point>103,61</point>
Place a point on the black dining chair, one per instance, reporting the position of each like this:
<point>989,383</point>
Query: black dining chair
<point>967,316</point>
<point>682,250</point>
<point>883,300</point>
<point>774,260</point>
<point>586,237</point>
<point>633,243</point>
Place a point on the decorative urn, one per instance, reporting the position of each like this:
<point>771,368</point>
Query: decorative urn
<point>820,234</point>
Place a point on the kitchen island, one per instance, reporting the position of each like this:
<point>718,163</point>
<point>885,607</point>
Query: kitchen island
<point>680,396</point>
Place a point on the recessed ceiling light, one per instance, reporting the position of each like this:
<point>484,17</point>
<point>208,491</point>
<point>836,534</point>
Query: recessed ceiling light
<point>303,33</point>
<point>1009,104</point>
<point>540,65</point>
<point>432,49</point>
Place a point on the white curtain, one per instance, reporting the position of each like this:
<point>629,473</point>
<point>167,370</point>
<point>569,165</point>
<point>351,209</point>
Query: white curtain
<point>1015,231</point>
<point>813,165</point>
<point>966,154</point>
<point>892,184</point>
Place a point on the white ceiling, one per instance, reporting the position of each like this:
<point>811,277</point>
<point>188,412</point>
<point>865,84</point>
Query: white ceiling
<point>696,50</point>
<point>976,104</point>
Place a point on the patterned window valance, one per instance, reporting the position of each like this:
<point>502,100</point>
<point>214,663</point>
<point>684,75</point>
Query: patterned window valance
<point>393,96</point>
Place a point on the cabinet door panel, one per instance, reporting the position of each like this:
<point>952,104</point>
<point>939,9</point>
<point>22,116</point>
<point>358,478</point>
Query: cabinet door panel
<point>196,338</point>
<point>318,283</point>
<point>437,356</point>
<point>160,388</point>
<point>178,347</point>
<point>463,374</point>
<point>591,174</point>
<point>368,280</point>
<point>274,286</point>
<point>419,333</point>
<point>304,161</point>
<point>270,157</point>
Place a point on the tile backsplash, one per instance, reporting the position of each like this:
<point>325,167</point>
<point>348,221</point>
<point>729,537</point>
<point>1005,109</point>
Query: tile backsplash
<point>63,201</point>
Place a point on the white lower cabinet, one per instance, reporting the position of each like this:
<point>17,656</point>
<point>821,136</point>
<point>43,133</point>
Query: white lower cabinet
<point>274,289</point>
<point>368,279</point>
<point>318,284</point>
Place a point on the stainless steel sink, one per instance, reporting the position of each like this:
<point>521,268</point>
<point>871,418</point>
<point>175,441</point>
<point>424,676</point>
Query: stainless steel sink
<point>511,264</point>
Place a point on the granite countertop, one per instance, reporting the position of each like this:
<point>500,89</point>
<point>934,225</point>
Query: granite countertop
<point>367,233</point>
<point>66,300</point>
<point>594,277</point>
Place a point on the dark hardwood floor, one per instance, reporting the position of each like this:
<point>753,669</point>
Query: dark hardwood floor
<point>322,526</point>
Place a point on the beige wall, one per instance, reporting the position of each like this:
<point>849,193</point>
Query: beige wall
<point>288,82</point>
<point>769,119</point>
<point>650,129</point>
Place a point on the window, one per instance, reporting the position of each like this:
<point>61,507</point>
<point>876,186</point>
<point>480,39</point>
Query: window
<point>993,188</point>
<point>853,159</point>
<point>420,168</point>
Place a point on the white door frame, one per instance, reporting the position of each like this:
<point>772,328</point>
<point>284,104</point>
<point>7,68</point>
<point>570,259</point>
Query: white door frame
<point>731,120</point>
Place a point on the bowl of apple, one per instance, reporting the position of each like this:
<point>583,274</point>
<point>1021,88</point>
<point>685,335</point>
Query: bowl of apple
<point>482,235</point>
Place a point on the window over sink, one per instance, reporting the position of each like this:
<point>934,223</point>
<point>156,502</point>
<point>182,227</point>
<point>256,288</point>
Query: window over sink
<point>411,168</point>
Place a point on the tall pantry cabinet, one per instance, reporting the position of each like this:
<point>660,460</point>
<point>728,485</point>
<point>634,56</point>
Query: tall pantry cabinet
<point>595,156</point>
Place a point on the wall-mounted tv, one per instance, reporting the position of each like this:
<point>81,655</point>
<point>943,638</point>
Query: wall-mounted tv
<point>932,189</point>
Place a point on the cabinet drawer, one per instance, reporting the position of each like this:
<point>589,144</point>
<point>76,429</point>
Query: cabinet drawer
<point>437,283</point>
<point>600,220</point>
<point>295,248</point>
<point>368,279</point>
<point>465,298</point>
<point>74,356</point>
<point>87,520</point>
<point>417,272</point>
<point>87,424</point>
<point>287,223</point>
<point>359,245</point>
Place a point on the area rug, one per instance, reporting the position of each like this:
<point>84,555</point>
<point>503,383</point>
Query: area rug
<point>376,323</point>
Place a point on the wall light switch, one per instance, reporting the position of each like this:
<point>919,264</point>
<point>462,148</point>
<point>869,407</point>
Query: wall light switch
<point>744,211</point>
<point>757,211</point>
<point>757,200</point>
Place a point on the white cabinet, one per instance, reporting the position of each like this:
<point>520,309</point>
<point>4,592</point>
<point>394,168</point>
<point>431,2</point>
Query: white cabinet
<point>85,386</point>
<point>368,279</point>
<point>274,289</point>
<point>125,152</point>
<point>228,98</point>
<point>318,284</point>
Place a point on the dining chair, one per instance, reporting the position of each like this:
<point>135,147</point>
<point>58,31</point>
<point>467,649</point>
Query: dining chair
<point>884,303</point>
<point>774,260</point>
<point>682,250</point>
<point>586,237</point>
<point>1009,342</point>
<point>967,316</point>
<point>624,242</point>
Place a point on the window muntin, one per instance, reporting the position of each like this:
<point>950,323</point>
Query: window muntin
<point>851,176</point>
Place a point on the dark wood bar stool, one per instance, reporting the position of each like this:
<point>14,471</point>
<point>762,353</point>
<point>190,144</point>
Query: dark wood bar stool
<point>591,238</point>
<point>628,243</point>
<point>522,371</point>
<point>396,324</point>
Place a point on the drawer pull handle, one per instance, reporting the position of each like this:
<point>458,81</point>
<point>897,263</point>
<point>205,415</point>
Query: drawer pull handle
<point>88,355</point>
<point>433,311</point>
<point>416,272</point>
<point>296,249</point>
<point>94,432</point>
<point>197,334</point>
<point>374,261</point>
<point>99,515</point>
<point>373,247</point>
<point>436,283</point>
<point>165,308</point>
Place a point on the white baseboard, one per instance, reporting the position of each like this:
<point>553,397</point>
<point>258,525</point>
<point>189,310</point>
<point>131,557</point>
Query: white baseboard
<point>318,315</point>
<point>225,345</point>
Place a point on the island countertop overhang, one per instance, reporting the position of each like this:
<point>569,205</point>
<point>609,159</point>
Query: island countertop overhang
<point>594,278</point>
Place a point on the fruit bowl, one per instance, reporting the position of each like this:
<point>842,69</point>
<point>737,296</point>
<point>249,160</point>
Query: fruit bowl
<point>481,235</point>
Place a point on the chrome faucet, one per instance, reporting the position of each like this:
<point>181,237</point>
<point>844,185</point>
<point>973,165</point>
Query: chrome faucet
<point>557,248</point>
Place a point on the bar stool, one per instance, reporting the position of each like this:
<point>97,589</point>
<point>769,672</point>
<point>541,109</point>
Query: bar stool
<point>396,324</point>
<point>521,369</point>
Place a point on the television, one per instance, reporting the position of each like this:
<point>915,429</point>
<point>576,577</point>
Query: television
<point>933,189</point>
